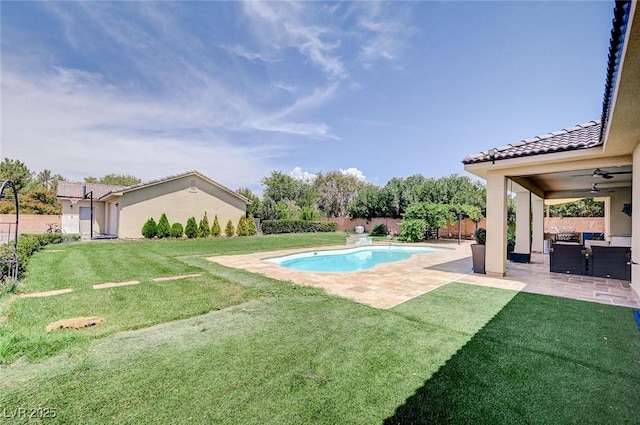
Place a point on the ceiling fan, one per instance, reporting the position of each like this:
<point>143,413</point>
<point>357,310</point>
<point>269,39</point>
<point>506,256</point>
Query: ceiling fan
<point>595,189</point>
<point>598,173</point>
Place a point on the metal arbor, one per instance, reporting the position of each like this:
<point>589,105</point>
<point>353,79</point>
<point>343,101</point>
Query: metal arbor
<point>11,259</point>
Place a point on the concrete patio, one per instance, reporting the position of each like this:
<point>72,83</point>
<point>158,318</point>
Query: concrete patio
<point>390,284</point>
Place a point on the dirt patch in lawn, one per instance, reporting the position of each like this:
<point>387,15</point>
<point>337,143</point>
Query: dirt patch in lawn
<point>74,323</point>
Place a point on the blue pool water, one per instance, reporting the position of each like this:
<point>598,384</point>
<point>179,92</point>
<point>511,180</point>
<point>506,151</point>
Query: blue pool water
<point>346,260</point>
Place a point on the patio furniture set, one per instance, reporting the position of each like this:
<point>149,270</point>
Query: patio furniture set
<point>595,258</point>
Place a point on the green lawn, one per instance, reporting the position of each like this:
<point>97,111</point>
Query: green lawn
<point>239,348</point>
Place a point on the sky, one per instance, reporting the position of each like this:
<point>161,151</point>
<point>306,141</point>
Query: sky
<point>237,90</point>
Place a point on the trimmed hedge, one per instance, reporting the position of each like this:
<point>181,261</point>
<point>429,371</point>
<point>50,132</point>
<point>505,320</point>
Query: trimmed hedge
<point>150,229</point>
<point>270,227</point>
<point>177,230</point>
<point>28,244</point>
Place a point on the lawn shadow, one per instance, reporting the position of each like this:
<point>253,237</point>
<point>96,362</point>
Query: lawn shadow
<point>540,360</point>
<point>462,265</point>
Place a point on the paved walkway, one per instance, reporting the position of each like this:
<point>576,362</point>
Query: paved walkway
<point>390,284</point>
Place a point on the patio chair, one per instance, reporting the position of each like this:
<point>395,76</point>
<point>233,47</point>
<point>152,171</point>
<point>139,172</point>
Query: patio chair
<point>567,258</point>
<point>611,262</point>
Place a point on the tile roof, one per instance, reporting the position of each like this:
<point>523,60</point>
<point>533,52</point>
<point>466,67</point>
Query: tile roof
<point>173,177</point>
<point>621,14</point>
<point>581,136</point>
<point>75,189</point>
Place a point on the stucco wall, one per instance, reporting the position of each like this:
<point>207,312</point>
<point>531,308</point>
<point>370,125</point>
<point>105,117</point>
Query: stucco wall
<point>635,235</point>
<point>179,201</point>
<point>620,222</point>
<point>71,216</point>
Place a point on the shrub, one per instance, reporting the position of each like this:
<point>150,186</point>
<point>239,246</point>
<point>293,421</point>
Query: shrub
<point>215,227</point>
<point>71,237</point>
<point>191,230</point>
<point>164,228</point>
<point>412,230</point>
<point>203,229</point>
<point>379,230</point>
<point>229,230</point>
<point>297,226</point>
<point>176,230</point>
<point>251,226</point>
<point>480,235</point>
<point>27,246</point>
<point>309,214</point>
<point>150,229</point>
<point>241,228</point>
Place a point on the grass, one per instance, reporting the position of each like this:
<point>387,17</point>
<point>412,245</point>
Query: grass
<point>81,265</point>
<point>541,360</point>
<point>236,347</point>
<point>84,264</point>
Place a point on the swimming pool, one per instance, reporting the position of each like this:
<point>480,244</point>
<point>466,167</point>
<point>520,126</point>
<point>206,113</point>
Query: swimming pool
<point>345,260</point>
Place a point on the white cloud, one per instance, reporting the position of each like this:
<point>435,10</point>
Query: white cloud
<point>385,33</point>
<point>74,126</point>
<point>354,172</point>
<point>244,53</point>
<point>284,24</point>
<point>305,176</point>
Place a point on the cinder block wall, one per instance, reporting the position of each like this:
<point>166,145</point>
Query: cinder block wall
<point>28,223</point>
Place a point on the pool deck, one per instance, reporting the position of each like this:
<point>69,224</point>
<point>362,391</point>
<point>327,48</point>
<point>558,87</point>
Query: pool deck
<point>389,284</point>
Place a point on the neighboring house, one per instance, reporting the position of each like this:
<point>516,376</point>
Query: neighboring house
<point>597,159</point>
<point>122,211</point>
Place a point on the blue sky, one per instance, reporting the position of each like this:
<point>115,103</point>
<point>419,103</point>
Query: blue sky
<point>238,89</point>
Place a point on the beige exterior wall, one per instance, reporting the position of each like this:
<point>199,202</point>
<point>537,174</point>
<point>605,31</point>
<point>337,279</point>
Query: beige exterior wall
<point>620,222</point>
<point>496,251</point>
<point>71,216</point>
<point>179,201</point>
<point>635,235</point>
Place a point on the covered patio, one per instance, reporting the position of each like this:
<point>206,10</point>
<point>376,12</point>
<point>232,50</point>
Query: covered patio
<point>598,159</point>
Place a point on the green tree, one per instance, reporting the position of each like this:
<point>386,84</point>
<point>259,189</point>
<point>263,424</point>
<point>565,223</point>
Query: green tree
<point>203,229</point>
<point>229,230</point>
<point>252,230</point>
<point>412,230</point>
<point>45,178</point>
<point>177,230</point>
<point>241,228</point>
<point>287,210</point>
<point>114,180</point>
<point>580,208</point>
<point>215,227</point>
<point>372,202</point>
<point>282,187</point>
<point>396,188</point>
<point>434,215</point>
<point>269,210</point>
<point>150,229</point>
<point>17,172</point>
<point>255,207</point>
<point>164,228</point>
<point>309,214</point>
<point>279,186</point>
<point>36,200</point>
<point>191,229</point>
<point>336,190</point>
